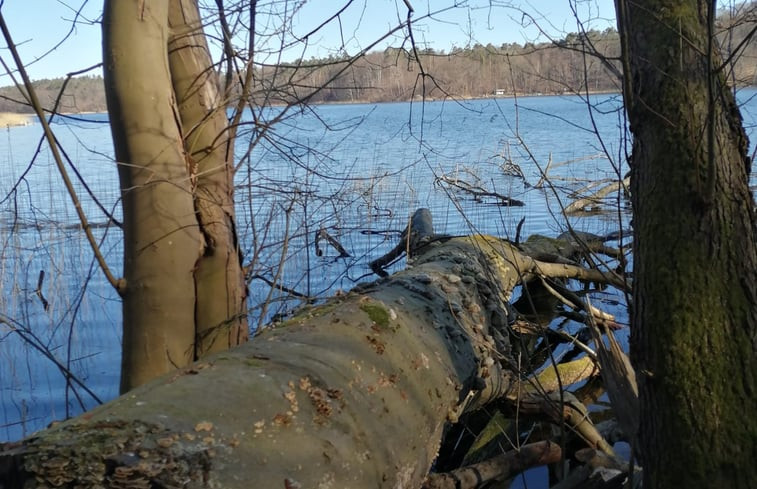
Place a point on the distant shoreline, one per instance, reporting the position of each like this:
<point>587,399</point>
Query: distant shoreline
<point>12,119</point>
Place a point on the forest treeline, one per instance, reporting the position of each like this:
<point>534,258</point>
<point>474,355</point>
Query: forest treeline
<point>397,74</point>
<point>81,94</point>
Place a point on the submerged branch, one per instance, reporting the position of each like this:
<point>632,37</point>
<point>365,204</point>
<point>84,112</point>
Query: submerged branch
<point>477,192</point>
<point>597,197</point>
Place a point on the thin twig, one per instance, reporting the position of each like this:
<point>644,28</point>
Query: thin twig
<point>118,284</point>
<point>31,339</point>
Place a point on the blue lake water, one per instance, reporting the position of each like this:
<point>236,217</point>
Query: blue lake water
<point>357,171</point>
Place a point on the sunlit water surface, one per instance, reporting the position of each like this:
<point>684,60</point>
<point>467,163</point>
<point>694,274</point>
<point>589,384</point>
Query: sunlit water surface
<point>360,171</point>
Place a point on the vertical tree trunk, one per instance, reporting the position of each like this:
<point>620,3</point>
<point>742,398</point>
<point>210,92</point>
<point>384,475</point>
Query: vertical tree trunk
<point>221,319</point>
<point>162,242</point>
<point>694,336</point>
<point>184,292</point>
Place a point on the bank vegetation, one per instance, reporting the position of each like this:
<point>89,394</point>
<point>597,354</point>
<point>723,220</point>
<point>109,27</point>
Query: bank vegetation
<point>556,66</point>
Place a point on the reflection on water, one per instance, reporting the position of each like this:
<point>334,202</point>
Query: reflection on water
<point>358,182</point>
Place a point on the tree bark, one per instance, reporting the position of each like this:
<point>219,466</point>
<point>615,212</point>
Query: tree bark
<point>162,241</point>
<point>221,292</point>
<point>694,332</point>
<point>184,294</point>
<point>498,468</point>
<point>353,393</point>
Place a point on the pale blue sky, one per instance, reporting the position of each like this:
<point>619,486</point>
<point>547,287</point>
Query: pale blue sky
<point>37,26</point>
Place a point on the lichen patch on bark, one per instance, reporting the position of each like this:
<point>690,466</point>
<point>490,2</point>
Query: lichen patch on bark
<point>123,454</point>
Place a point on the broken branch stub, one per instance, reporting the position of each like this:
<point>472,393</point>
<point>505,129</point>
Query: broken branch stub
<point>418,231</point>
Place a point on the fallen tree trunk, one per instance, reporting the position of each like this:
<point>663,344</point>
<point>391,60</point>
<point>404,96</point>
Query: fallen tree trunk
<point>356,392</point>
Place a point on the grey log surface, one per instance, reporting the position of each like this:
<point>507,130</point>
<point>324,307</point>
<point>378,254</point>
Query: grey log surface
<point>352,393</point>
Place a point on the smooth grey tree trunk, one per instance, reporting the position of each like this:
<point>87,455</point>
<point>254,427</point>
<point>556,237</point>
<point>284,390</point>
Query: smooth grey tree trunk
<point>185,293</point>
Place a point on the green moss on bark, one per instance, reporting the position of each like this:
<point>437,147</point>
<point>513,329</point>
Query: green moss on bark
<point>377,313</point>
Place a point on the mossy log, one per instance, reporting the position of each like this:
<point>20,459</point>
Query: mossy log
<point>356,392</point>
